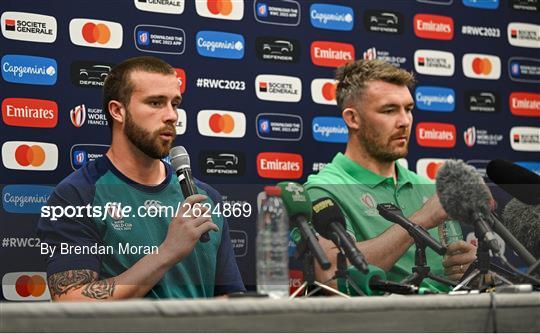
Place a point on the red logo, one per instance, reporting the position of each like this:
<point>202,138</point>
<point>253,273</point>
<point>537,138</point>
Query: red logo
<point>34,286</point>
<point>433,168</point>
<point>525,104</point>
<point>78,115</point>
<point>181,75</point>
<point>433,27</point>
<point>331,54</point>
<point>276,165</point>
<point>96,33</point>
<point>436,135</point>
<point>32,113</point>
<point>296,278</point>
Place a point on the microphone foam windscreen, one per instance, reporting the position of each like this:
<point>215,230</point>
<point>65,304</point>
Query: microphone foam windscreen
<point>462,191</point>
<point>179,157</point>
<point>296,199</point>
<point>523,221</point>
<point>326,211</point>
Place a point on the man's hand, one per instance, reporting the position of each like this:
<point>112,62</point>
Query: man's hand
<point>431,214</point>
<point>459,256</point>
<point>185,230</point>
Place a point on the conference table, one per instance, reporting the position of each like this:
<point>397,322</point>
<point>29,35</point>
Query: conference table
<point>432,313</point>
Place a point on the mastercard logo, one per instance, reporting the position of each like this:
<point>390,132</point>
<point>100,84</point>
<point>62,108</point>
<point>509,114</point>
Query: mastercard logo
<point>96,33</point>
<point>220,9</point>
<point>25,286</point>
<point>481,66</point>
<point>428,168</point>
<point>323,91</point>
<point>221,123</point>
<point>30,156</point>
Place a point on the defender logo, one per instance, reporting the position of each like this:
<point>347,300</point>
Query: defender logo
<point>222,163</point>
<point>383,21</point>
<point>89,73</point>
<point>482,101</point>
<point>277,49</point>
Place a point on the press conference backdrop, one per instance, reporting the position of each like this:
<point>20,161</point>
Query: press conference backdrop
<point>259,104</point>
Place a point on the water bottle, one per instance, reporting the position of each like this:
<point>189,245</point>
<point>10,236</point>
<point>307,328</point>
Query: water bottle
<point>450,232</point>
<point>273,246</point>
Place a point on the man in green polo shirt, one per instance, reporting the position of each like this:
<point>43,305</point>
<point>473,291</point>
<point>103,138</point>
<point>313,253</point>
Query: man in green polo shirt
<point>376,105</point>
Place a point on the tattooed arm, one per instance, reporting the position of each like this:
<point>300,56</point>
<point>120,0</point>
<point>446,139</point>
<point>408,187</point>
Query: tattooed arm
<point>85,281</point>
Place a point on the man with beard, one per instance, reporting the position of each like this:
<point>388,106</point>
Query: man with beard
<point>150,251</point>
<point>376,105</point>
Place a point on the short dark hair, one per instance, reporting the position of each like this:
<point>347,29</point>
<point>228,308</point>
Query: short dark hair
<point>353,77</point>
<point>118,85</point>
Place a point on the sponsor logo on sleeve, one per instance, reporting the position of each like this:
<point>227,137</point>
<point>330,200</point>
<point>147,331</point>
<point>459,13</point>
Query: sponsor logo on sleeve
<point>331,54</point>
<point>482,4</point>
<point>525,5</point>
<point>278,165</point>
<point>220,9</point>
<point>25,286</point>
<point>279,12</point>
<point>525,138</point>
<point>433,98</point>
<point>533,166</point>
<point>331,17</point>
<point>524,69</point>
<point>481,66</point>
<point>482,101</point>
<point>323,91</point>
<point>221,123</point>
<point>159,39</point>
<point>29,27</point>
<point>25,198</point>
<point>525,35</point>
<point>161,6</point>
<point>430,26</point>
<point>278,49</point>
<point>284,127</point>
<point>525,104</point>
<point>218,44</point>
<point>330,130</point>
<point>29,155</point>
<point>279,88</point>
<point>31,70</point>
<point>239,241</point>
<point>90,73</point>
<point>32,113</point>
<point>383,21</point>
<point>83,153</point>
<point>96,33</point>
<point>473,136</point>
<point>222,163</point>
<point>82,114</point>
<point>442,135</point>
<point>432,62</point>
<point>480,31</point>
<point>373,53</point>
<point>428,167</point>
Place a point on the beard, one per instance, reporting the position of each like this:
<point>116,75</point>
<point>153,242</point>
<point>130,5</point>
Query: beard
<point>380,147</point>
<point>148,142</point>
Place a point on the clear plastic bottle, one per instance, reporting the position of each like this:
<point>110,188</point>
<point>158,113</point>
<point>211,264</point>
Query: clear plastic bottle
<point>273,246</point>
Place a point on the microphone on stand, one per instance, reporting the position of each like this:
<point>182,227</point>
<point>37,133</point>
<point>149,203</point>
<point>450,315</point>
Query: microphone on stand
<point>181,164</point>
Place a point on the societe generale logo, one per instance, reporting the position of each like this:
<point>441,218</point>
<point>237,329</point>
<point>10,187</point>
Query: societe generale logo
<point>524,35</point>
<point>280,88</point>
<point>221,123</point>
<point>25,286</point>
<point>29,27</point>
<point>220,9</point>
<point>428,167</point>
<point>96,33</point>
<point>165,7</point>
<point>525,138</point>
<point>431,134</point>
<point>481,66</point>
<point>32,113</point>
<point>278,165</point>
<point>331,54</point>
<point>29,155</point>
<point>434,27</point>
<point>523,104</point>
<point>433,62</point>
<point>323,91</point>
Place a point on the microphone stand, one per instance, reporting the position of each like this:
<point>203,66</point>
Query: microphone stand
<point>421,270</point>
<point>482,266</point>
<point>308,268</point>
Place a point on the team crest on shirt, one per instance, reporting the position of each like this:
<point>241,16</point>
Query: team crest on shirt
<point>371,206</point>
<point>114,210</point>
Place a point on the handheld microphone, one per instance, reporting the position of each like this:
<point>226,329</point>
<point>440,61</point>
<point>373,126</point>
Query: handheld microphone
<point>181,164</point>
<point>394,214</point>
<point>515,180</point>
<point>465,197</point>
<point>298,206</point>
<point>330,223</point>
<point>523,221</point>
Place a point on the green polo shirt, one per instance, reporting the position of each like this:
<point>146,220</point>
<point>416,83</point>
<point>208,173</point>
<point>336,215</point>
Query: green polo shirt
<point>358,191</point>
